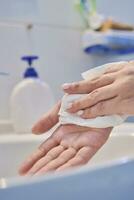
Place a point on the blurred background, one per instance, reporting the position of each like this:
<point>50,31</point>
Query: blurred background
<point>52,30</point>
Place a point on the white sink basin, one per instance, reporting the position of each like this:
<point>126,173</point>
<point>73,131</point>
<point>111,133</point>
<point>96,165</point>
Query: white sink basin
<point>15,148</point>
<point>108,171</point>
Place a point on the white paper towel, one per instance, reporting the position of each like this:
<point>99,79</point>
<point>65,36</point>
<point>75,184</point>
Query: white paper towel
<point>99,122</point>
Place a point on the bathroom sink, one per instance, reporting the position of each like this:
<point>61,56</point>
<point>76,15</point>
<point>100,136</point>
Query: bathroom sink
<point>111,169</point>
<point>15,148</point>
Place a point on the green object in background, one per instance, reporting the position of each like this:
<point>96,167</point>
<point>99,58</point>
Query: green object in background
<point>81,11</point>
<point>86,8</point>
<point>93,6</point>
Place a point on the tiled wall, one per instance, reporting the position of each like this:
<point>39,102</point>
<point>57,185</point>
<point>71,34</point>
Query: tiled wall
<point>55,37</point>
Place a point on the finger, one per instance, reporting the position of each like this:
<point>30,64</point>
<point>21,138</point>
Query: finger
<point>93,142</point>
<point>115,67</point>
<point>37,155</point>
<point>58,134</point>
<point>86,86</point>
<point>108,107</point>
<point>81,158</point>
<point>101,94</point>
<point>51,155</point>
<point>30,161</point>
<point>48,121</point>
<point>62,159</point>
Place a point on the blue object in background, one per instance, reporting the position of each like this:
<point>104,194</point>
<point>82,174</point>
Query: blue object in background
<point>112,43</point>
<point>30,71</point>
<point>121,41</point>
<point>103,49</point>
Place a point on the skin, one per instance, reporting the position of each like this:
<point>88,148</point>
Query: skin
<point>111,93</point>
<point>69,146</point>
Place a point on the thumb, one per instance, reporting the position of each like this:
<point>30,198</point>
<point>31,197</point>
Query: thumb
<point>47,121</point>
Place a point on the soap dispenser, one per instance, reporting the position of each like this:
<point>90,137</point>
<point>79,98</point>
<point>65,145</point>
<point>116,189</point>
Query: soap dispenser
<point>30,99</point>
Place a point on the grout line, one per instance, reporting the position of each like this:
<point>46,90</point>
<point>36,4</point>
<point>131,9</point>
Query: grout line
<point>15,23</point>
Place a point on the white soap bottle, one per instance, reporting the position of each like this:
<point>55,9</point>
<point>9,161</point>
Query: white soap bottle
<point>30,99</point>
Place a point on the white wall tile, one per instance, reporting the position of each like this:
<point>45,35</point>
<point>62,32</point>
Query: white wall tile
<point>61,12</point>
<point>61,56</point>
<point>48,12</point>
<point>13,44</point>
<point>118,9</point>
<point>18,9</point>
<point>54,39</point>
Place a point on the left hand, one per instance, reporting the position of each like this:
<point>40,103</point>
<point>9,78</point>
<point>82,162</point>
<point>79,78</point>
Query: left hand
<point>69,146</point>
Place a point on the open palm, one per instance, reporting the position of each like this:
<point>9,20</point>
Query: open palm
<point>69,146</point>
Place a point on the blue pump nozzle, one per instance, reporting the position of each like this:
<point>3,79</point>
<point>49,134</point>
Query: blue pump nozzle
<point>30,71</point>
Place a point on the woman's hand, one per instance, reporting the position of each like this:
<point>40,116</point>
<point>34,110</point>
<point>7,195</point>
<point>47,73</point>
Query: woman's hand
<point>111,93</point>
<point>69,146</point>
<point>48,121</point>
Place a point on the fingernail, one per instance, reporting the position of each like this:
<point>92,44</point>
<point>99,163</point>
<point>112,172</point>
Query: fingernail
<point>66,86</point>
<point>80,112</point>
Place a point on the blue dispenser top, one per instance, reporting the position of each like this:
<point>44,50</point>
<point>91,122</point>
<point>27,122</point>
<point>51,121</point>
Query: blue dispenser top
<point>30,71</point>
